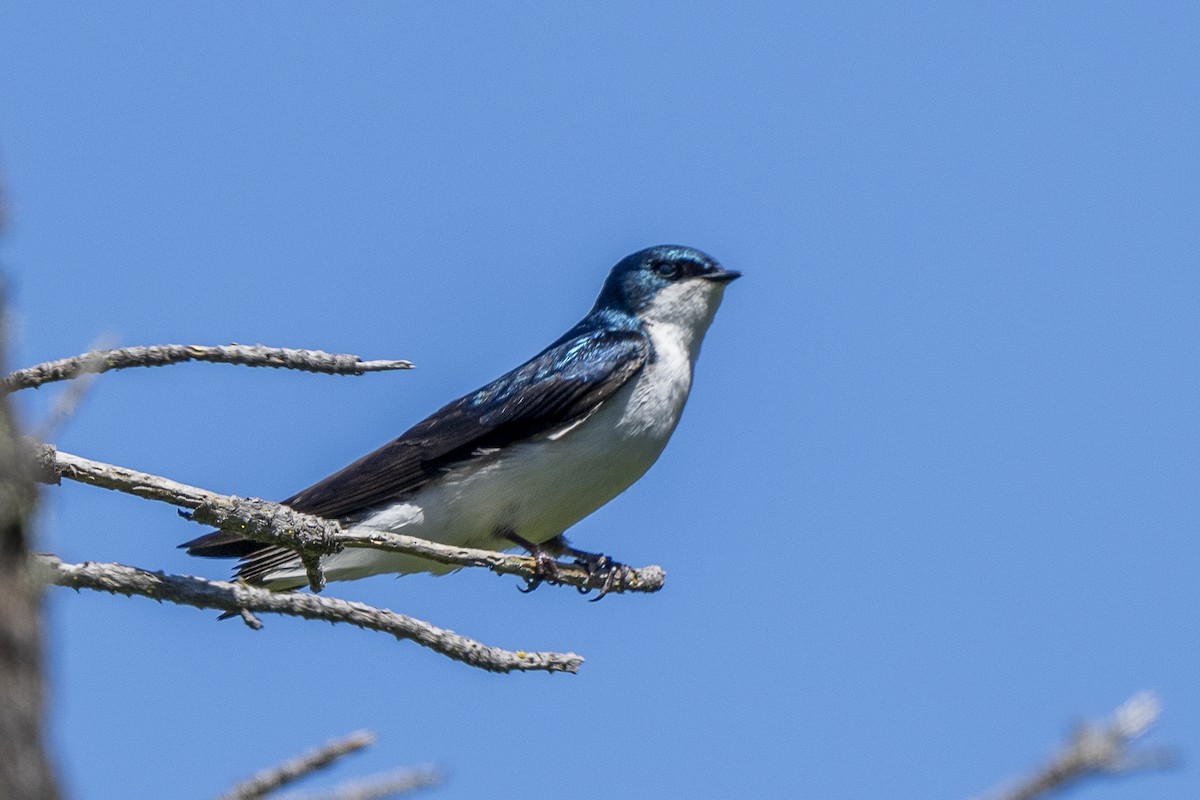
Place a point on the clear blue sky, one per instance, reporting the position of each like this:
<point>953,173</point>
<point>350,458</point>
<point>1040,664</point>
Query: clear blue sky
<point>935,496</point>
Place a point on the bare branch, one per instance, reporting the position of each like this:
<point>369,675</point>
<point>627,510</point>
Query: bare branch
<point>234,597</point>
<point>375,788</point>
<point>255,519</point>
<point>379,787</point>
<point>628,579</point>
<point>272,523</point>
<point>270,780</point>
<point>70,398</point>
<point>65,406</point>
<point>313,571</point>
<point>251,621</point>
<point>1096,749</point>
<point>98,361</point>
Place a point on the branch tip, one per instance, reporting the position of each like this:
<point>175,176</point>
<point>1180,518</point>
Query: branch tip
<point>1097,749</point>
<point>270,780</point>
<point>96,362</point>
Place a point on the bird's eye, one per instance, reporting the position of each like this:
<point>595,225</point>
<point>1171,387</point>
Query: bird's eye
<point>667,269</point>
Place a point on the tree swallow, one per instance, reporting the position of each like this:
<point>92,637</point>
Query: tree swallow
<point>519,461</point>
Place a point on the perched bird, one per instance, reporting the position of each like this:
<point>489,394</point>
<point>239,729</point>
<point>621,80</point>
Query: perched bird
<point>519,461</point>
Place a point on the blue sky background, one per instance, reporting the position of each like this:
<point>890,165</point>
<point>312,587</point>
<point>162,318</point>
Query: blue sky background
<point>935,495</point>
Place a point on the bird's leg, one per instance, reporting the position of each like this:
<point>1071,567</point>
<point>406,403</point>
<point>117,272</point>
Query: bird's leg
<point>545,568</point>
<point>599,566</point>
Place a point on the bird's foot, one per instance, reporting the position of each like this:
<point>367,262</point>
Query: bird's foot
<point>545,570</point>
<point>601,569</point>
<point>604,573</point>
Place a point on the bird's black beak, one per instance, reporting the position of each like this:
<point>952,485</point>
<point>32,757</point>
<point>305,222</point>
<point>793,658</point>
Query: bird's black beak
<point>722,275</point>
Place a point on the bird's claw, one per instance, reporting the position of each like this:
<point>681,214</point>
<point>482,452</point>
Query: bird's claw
<point>545,570</point>
<point>604,573</point>
<point>603,569</point>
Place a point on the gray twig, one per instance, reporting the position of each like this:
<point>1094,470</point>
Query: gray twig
<point>65,406</point>
<point>628,579</point>
<point>70,398</point>
<point>252,622</point>
<point>1096,749</point>
<point>234,597</point>
<point>313,571</point>
<point>405,781</point>
<point>270,780</point>
<point>98,361</point>
<point>272,523</point>
<point>255,519</point>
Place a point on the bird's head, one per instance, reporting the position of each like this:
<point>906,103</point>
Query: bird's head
<point>668,284</point>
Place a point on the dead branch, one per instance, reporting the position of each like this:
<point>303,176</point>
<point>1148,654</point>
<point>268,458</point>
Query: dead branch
<point>99,361</point>
<point>376,787</point>
<point>405,781</point>
<point>255,519</point>
<point>270,780</point>
<point>628,579</point>
<point>1096,749</point>
<point>234,597</point>
<point>69,399</point>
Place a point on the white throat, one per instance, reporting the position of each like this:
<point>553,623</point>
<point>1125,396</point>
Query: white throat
<point>682,313</point>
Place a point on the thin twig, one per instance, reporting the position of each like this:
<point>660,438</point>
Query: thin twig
<point>405,781</point>
<point>313,572</point>
<point>628,579</point>
<point>271,523</point>
<point>70,398</point>
<point>269,780</point>
<point>65,406</point>
<point>252,622</point>
<point>98,361</point>
<point>234,597</point>
<point>255,519</point>
<point>1096,749</point>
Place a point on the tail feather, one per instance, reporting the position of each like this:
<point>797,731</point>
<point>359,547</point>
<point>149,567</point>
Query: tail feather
<point>257,566</point>
<point>221,544</point>
<point>258,560</point>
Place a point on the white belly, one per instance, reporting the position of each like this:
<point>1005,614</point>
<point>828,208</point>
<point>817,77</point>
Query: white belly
<point>536,489</point>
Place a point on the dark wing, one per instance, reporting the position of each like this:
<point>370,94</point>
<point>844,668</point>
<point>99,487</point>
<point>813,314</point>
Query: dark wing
<point>558,386</point>
<point>562,383</point>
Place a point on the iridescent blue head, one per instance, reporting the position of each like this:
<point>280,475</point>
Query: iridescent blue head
<point>649,277</point>
<point>668,290</point>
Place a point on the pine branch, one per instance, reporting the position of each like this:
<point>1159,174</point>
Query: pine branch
<point>235,597</point>
<point>1096,749</point>
<point>98,361</point>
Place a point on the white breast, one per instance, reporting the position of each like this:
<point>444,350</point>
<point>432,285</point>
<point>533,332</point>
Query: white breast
<point>541,487</point>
